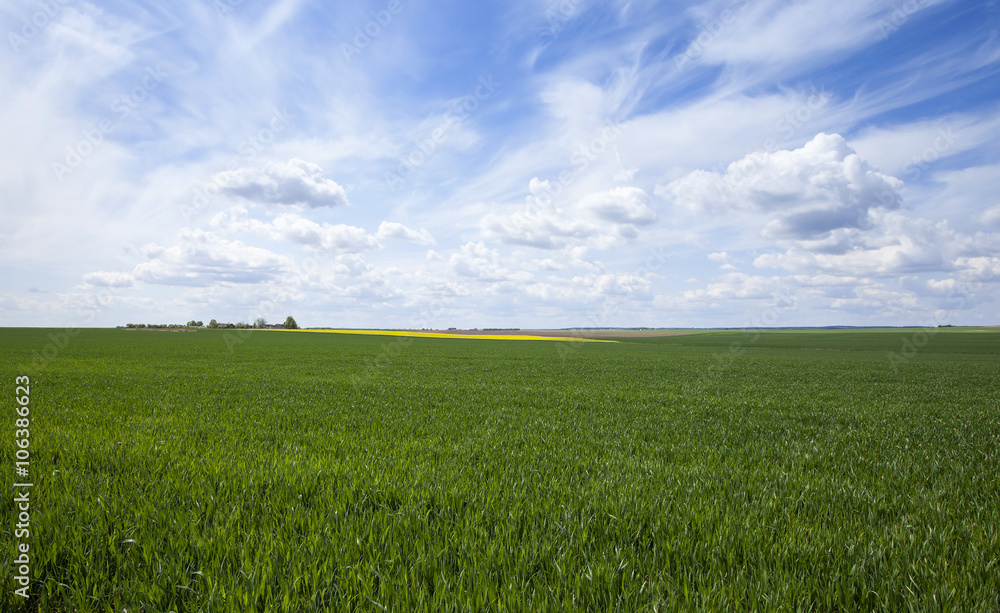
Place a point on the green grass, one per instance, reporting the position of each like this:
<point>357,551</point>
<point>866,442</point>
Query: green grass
<point>313,472</point>
<point>930,340</point>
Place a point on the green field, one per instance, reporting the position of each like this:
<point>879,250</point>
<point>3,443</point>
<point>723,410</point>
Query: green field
<point>779,470</point>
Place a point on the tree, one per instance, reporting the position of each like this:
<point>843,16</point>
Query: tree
<point>213,324</point>
<point>290,323</point>
<point>260,323</point>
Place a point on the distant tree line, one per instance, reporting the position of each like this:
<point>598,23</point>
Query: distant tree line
<point>260,323</point>
<point>214,324</point>
<point>190,324</point>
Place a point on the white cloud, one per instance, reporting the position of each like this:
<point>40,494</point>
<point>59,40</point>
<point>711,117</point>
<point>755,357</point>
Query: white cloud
<point>774,35</point>
<point>878,298</point>
<point>991,217</point>
<point>591,287</point>
<point>292,182</point>
<point>979,268</point>
<point>894,245</point>
<point>910,150</point>
<point>109,279</point>
<point>394,230</point>
<point>237,219</point>
<point>807,193</point>
<point>202,259</point>
<point>476,260</point>
<point>339,238</point>
<point>736,286</point>
<point>601,219</point>
<point>724,260</point>
<point>625,206</point>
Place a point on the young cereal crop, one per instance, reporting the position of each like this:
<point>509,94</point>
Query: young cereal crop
<point>801,471</point>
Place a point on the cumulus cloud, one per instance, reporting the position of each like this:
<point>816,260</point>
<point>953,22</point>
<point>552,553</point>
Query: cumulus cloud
<point>877,297</point>
<point>991,217</point>
<point>538,223</point>
<point>601,219</point>
<point>615,284</point>
<point>203,258</point>
<point>736,286</point>
<point>289,183</point>
<point>394,230</point>
<point>806,193</point>
<point>827,212</point>
<point>341,238</point>
<point>237,219</point>
<point>724,260</point>
<point>109,279</point>
<point>896,244</point>
<point>338,238</point>
<point>622,205</point>
<point>979,268</point>
<point>478,261</point>
<point>587,288</point>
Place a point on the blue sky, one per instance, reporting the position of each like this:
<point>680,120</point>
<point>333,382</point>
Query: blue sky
<point>501,164</point>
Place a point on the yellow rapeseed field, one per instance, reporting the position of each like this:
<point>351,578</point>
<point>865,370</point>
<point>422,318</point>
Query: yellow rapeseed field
<point>502,337</point>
